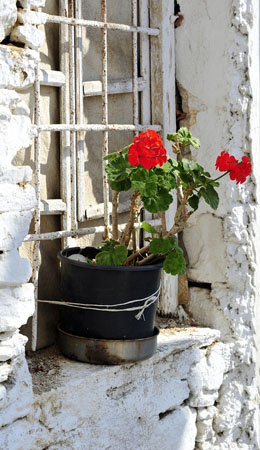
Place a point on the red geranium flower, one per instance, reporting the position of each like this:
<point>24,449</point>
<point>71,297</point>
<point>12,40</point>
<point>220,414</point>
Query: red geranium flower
<point>238,170</point>
<point>147,150</point>
<point>225,162</point>
<point>241,171</point>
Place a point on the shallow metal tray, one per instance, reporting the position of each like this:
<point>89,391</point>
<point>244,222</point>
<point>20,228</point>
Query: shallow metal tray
<point>102,351</point>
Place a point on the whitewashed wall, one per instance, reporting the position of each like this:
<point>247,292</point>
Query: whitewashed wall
<point>200,389</point>
<point>217,66</point>
<point>17,202</point>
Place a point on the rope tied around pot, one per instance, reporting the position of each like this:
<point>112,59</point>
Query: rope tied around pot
<point>147,301</point>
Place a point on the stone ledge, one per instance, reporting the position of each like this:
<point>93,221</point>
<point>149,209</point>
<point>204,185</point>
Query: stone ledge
<point>170,341</point>
<point>133,406</point>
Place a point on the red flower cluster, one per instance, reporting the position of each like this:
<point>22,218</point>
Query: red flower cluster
<point>237,170</point>
<point>147,150</point>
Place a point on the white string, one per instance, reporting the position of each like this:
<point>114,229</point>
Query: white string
<point>148,301</point>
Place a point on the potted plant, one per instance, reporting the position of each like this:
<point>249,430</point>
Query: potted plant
<point>111,292</point>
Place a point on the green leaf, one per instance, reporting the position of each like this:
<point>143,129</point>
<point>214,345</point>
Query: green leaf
<point>119,186</point>
<point>174,263</point>
<point>125,149</point>
<point>118,168</point>
<point>194,202</point>
<point>194,142</point>
<point>113,256</point>
<point>159,202</point>
<point>162,246</point>
<point>147,227</point>
<point>111,156</point>
<point>107,245</point>
<point>144,181</point>
<point>184,137</point>
<point>172,162</point>
<point>210,196</point>
<point>189,165</point>
<point>117,154</point>
<point>186,178</point>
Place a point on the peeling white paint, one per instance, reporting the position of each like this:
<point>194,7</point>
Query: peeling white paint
<point>196,391</point>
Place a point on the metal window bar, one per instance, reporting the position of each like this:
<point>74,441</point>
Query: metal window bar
<point>72,127</point>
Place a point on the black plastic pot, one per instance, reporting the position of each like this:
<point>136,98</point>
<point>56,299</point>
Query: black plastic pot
<point>106,285</point>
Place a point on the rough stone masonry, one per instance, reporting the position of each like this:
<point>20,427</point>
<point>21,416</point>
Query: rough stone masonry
<point>200,389</point>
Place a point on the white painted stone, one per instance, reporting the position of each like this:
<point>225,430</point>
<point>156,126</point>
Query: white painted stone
<point>5,335</point>
<point>19,395</point>
<point>7,18</point>
<point>32,3</point>
<point>14,346</point>
<point>2,397</point>
<point>17,66</point>
<point>206,259</point>
<point>28,35</point>
<point>15,133</point>
<point>177,430</point>
<point>14,226</point>
<point>207,311</point>
<point>16,306</point>
<point>16,198</point>
<point>136,406</point>
<point>5,370</point>
<point>30,17</point>
<point>15,175</point>
<point>205,417</point>
<point>206,377</point>
<point>14,270</point>
<point>11,100</point>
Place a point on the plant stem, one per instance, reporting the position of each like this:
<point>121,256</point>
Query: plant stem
<point>221,176</point>
<point>181,217</point>
<point>115,197</point>
<point>139,252</point>
<point>125,236</point>
<point>163,219</point>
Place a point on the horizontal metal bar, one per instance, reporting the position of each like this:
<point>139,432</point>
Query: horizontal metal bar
<point>97,211</point>
<point>124,86</point>
<point>52,207</point>
<point>53,78</point>
<point>97,24</point>
<point>95,127</point>
<point>79,232</point>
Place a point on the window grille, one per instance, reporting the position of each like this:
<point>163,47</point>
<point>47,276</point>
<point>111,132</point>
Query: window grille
<point>152,86</point>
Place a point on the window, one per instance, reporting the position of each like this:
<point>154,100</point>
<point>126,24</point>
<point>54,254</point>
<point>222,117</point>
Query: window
<point>116,78</point>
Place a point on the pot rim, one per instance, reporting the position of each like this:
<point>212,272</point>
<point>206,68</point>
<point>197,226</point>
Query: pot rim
<point>103,267</point>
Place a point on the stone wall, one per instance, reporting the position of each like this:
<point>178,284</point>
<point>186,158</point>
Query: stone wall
<point>17,202</point>
<point>167,402</point>
<point>217,66</point>
<point>200,389</point>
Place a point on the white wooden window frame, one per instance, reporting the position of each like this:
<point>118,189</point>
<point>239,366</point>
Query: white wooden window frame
<point>156,84</point>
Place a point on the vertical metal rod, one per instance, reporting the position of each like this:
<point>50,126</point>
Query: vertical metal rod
<point>37,214</point>
<point>79,117</point>
<point>135,87</point>
<point>103,8</point>
<point>65,185</point>
<point>134,63</point>
<point>72,105</point>
<point>145,63</point>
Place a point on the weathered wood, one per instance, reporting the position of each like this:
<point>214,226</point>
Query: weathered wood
<point>53,78</point>
<point>97,211</point>
<point>124,86</point>
<point>52,207</point>
<point>163,111</point>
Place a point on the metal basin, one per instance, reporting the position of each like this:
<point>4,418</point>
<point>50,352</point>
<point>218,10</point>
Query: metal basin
<point>107,351</point>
